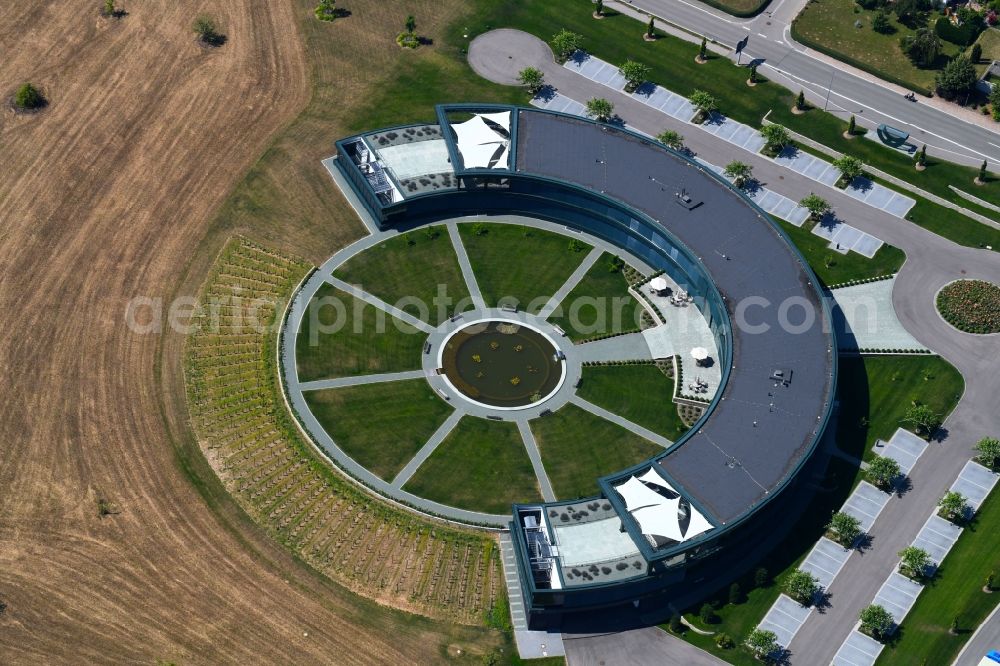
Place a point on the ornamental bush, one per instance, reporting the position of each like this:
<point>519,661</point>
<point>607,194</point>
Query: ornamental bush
<point>972,306</point>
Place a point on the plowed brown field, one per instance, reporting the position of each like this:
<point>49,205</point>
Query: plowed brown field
<point>108,194</point>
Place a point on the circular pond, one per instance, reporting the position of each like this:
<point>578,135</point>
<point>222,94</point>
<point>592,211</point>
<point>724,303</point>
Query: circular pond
<point>502,364</point>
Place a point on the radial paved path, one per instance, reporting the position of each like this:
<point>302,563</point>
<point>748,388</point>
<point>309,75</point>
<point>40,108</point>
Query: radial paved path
<point>931,263</point>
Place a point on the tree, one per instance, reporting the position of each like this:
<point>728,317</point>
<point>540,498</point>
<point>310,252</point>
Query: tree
<point>816,205</point>
<point>953,629</point>
<point>990,580</point>
<point>953,505</point>
<point>923,419</point>
<point>921,158</point>
<point>847,527</point>
<point>703,50</point>
<point>988,448</point>
<point>725,641</point>
<point>851,126</point>
<point>762,642</point>
<point>671,139</point>
<point>411,24</point>
<point>977,53</point>
<point>599,8</point>
<point>995,102</point>
<point>922,48</point>
<point>109,8</point>
<point>707,613</point>
<point>800,101</point>
<point>600,109</point>
<point>914,561</point>
<point>761,577</point>
<point>635,73</point>
<point>801,586</point>
<point>876,621</point>
<point>981,178</point>
<point>207,31</point>
<point>704,101</point>
<point>565,44</point>
<point>882,471</point>
<point>881,23</point>
<point>909,11</point>
<point>28,98</point>
<point>651,28</point>
<point>958,78</point>
<point>741,173</point>
<point>753,73</point>
<point>326,10</point>
<point>850,167</point>
<point>777,136</point>
<point>532,78</point>
<point>735,594</point>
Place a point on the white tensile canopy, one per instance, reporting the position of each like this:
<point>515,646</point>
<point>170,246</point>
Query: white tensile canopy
<point>657,515</point>
<point>658,284</point>
<point>482,146</point>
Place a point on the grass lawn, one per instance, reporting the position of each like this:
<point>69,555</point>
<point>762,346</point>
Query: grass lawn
<point>520,263</point>
<point>599,304</point>
<point>955,593</point>
<point>481,466</point>
<point>640,393</point>
<point>357,344</point>
<point>381,426</point>
<point>739,7</point>
<point>879,389</point>
<point>834,268</point>
<point>831,24</point>
<point>989,40</point>
<point>414,265</point>
<point>577,447</point>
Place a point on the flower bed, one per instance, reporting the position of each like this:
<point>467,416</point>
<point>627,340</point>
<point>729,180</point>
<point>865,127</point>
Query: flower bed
<point>972,306</point>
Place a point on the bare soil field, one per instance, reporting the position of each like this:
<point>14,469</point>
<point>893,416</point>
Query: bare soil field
<point>110,193</point>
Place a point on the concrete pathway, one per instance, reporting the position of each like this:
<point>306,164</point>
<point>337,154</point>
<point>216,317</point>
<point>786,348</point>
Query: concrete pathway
<point>425,452</point>
<point>571,282</point>
<point>358,380</point>
<point>468,274</point>
<point>865,319</point>
<point>628,347</point>
<point>640,647</point>
<point>531,446</point>
<point>635,428</point>
<point>371,299</point>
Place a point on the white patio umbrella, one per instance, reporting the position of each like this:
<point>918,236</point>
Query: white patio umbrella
<point>699,353</point>
<point>658,284</point>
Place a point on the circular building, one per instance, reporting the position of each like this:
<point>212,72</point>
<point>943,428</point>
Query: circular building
<point>767,332</point>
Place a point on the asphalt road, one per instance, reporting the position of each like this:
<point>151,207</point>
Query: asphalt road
<point>985,639</point>
<point>935,122</point>
<point>932,262</point>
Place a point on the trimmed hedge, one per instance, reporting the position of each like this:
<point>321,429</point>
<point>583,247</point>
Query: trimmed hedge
<point>860,64</point>
<point>740,13</point>
<point>963,35</point>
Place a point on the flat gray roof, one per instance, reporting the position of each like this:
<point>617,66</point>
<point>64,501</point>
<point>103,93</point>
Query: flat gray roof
<point>761,430</point>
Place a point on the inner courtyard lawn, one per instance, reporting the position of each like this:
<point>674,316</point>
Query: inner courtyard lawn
<point>957,592</point>
<point>353,338</point>
<point>599,304</point>
<point>834,268</point>
<point>412,266</point>
<point>522,264</point>
<point>381,426</point>
<point>640,393</point>
<point>831,24</point>
<point>876,391</point>
<point>577,447</point>
<point>481,466</point>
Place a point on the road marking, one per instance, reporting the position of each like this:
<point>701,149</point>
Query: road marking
<point>762,35</point>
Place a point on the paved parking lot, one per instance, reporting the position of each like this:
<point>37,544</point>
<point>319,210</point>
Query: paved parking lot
<point>844,238</point>
<point>784,619</point>
<point>857,650</point>
<point>905,448</point>
<point>897,595</point>
<point>937,536</point>
<point>865,503</point>
<point>975,482</point>
<point>825,561</point>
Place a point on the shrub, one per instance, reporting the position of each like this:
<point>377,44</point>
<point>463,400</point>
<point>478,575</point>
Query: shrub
<point>761,577</point>
<point>881,23</point>
<point>977,53</point>
<point>635,74</point>
<point>741,173</point>
<point>816,205</point>
<point>988,449</point>
<point>671,139</point>
<point>914,561</point>
<point>924,420</point>
<point>852,125</point>
<point>676,625</point>
<point>846,527</point>
<point>850,167</point>
<point>600,109</point>
<point>800,101</point>
<point>326,10</point>
<point>565,44</point>
<point>963,35</point>
<point>876,621</point>
<point>651,28</point>
<point>724,641</point>
<point>801,586</point>
<point>762,642</point>
<point>410,24</point>
<point>777,136</point>
<point>707,614</point>
<point>735,594</point>
<point>703,50</point>
<point>28,98</point>
<point>882,471</point>
<point>953,505</point>
<point>576,246</point>
<point>971,305</point>
<point>207,31</point>
<point>704,101</point>
<point>532,78</point>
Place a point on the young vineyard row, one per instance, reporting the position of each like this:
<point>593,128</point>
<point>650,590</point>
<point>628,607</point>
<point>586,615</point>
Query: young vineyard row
<point>375,549</point>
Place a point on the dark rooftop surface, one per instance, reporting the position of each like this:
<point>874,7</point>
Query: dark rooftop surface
<point>762,429</point>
